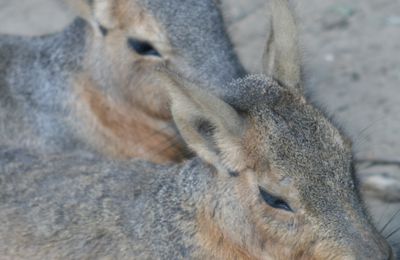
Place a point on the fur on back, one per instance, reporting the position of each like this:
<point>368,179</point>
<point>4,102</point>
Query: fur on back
<point>96,208</point>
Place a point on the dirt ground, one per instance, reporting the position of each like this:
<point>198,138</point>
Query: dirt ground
<point>352,67</point>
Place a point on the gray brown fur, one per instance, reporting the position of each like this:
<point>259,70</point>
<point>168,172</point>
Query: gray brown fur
<point>109,210</point>
<point>264,136</point>
<point>102,209</point>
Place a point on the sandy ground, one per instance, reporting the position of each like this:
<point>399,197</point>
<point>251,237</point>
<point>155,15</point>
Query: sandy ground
<point>352,64</point>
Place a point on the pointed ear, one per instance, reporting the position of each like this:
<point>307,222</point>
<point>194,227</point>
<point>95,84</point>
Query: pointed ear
<point>99,13</point>
<point>210,127</point>
<point>282,59</point>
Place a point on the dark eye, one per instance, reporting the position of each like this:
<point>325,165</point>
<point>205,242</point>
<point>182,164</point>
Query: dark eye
<point>273,201</point>
<point>143,47</point>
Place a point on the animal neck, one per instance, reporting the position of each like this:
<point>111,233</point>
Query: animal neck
<point>38,77</point>
<point>65,50</point>
<point>213,242</point>
<point>177,198</point>
<point>202,183</point>
<point>122,130</point>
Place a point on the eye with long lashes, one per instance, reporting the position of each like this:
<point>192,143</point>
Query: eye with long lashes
<point>143,47</point>
<point>273,201</point>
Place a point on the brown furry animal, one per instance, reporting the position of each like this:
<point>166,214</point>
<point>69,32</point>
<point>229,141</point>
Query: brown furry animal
<point>93,85</point>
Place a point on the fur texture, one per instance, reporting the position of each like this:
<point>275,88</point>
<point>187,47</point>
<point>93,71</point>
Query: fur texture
<point>86,88</point>
<point>272,180</point>
<point>80,206</point>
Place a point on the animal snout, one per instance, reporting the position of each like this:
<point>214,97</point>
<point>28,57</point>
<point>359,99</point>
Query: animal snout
<point>365,252</point>
<point>375,249</point>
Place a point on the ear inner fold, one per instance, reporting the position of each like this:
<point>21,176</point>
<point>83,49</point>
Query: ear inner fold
<point>189,106</point>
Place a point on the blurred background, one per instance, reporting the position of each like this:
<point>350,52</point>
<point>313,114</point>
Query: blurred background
<point>351,52</point>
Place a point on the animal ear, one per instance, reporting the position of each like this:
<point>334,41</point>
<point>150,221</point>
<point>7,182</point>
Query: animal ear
<point>282,59</point>
<point>99,13</point>
<point>210,127</point>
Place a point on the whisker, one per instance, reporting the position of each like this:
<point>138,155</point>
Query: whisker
<point>390,221</point>
<point>383,214</point>
<point>361,138</point>
<point>372,162</point>
<point>392,233</point>
<point>369,126</point>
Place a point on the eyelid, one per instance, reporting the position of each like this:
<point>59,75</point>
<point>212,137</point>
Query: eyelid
<point>274,201</point>
<point>143,47</point>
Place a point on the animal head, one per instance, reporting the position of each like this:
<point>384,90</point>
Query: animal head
<point>129,37</point>
<point>283,186</point>
<point>283,183</point>
<point>128,105</point>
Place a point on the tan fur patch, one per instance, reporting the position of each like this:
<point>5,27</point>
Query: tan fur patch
<point>121,131</point>
<point>212,240</point>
